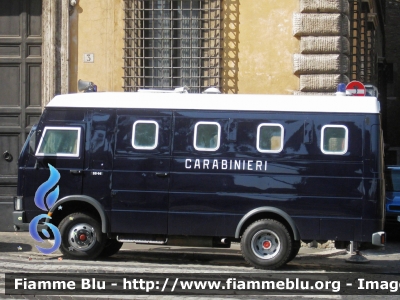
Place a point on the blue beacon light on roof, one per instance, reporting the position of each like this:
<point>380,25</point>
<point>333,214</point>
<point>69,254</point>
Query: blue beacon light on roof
<point>341,89</point>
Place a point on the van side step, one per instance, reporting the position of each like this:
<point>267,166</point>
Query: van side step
<point>185,241</point>
<point>141,241</point>
<point>127,239</point>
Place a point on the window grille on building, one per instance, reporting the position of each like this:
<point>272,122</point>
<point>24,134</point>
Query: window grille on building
<point>172,43</point>
<point>363,57</point>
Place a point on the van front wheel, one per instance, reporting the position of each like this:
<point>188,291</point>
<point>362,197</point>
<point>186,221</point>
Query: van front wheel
<point>81,236</point>
<point>111,247</point>
<point>266,244</point>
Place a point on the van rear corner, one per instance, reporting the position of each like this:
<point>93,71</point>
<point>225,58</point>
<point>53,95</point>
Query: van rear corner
<point>379,238</point>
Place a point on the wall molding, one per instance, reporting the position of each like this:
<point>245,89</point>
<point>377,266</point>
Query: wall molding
<point>324,6</point>
<point>55,32</point>
<point>323,28</point>
<point>320,63</point>
<point>320,24</point>
<point>323,83</point>
<point>324,44</point>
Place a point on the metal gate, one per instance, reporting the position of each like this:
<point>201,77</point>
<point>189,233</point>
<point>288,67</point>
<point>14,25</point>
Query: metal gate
<point>172,43</point>
<point>20,90</point>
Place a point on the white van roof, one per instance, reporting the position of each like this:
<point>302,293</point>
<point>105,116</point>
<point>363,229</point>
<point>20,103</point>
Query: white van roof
<point>221,102</point>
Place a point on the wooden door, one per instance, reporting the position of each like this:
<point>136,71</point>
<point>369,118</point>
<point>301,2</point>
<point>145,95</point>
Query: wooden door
<point>20,90</point>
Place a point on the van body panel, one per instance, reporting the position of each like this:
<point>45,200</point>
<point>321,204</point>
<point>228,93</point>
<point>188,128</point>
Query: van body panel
<point>36,170</point>
<point>237,178</point>
<point>140,179</point>
<point>99,151</point>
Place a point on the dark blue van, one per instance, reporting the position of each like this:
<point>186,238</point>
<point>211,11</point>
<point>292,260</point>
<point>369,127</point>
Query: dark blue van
<point>206,170</point>
<point>392,194</point>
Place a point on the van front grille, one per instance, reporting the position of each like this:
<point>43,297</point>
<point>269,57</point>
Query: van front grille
<point>394,207</point>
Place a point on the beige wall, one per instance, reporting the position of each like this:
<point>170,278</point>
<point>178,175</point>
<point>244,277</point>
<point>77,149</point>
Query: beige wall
<point>266,47</point>
<point>96,26</point>
<point>258,45</point>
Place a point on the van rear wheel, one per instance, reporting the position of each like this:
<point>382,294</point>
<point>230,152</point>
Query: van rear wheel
<point>81,236</point>
<point>266,244</point>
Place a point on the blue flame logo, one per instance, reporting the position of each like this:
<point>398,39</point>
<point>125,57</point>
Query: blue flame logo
<point>40,202</point>
<point>45,187</point>
<point>34,234</point>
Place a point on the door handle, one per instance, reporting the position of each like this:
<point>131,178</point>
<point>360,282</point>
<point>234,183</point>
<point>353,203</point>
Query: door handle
<point>7,156</point>
<point>75,171</point>
<point>162,174</point>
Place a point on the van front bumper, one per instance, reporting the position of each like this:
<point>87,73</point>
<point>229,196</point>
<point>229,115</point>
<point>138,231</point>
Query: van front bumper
<point>379,238</point>
<point>19,221</point>
<point>20,224</point>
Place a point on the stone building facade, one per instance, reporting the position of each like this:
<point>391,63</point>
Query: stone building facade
<point>391,72</point>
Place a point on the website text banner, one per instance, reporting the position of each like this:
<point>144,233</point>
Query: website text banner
<point>202,284</point>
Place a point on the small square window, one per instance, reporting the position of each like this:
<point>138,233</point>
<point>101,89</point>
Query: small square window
<point>145,135</point>
<point>59,141</point>
<point>334,139</point>
<point>207,136</point>
<point>270,138</point>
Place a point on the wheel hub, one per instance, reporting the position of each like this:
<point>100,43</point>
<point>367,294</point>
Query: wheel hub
<point>265,244</point>
<point>82,236</point>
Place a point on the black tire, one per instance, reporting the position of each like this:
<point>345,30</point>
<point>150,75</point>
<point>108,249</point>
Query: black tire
<point>266,244</point>
<point>81,236</point>
<point>295,250</point>
<point>112,246</point>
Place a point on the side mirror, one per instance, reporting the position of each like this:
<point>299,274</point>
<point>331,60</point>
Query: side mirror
<point>32,143</point>
<point>32,146</point>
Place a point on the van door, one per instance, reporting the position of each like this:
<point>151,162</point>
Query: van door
<point>202,189</point>
<point>99,156</point>
<point>60,144</point>
<point>141,168</point>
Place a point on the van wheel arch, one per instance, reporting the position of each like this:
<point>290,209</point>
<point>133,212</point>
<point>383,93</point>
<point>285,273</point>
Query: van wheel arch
<point>267,213</point>
<point>65,206</point>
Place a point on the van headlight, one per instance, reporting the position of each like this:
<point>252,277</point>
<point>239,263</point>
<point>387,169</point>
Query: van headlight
<point>18,203</point>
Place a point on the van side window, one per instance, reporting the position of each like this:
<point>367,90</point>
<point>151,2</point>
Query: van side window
<point>59,141</point>
<point>145,135</point>
<point>334,139</point>
<point>270,138</point>
<point>207,136</point>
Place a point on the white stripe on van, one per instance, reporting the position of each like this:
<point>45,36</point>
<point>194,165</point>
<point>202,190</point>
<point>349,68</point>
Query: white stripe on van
<point>221,102</point>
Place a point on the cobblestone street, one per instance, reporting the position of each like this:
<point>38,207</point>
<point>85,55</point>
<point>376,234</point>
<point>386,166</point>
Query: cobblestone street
<point>18,254</point>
